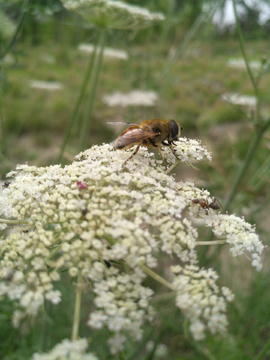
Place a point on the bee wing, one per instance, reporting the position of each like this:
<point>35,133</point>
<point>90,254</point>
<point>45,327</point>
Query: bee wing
<point>133,135</point>
<point>118,123</point>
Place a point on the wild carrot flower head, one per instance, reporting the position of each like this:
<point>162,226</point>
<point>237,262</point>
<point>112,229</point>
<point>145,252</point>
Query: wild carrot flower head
<point>94,216</point>
<point>67,350</point>
<point>113,13</point>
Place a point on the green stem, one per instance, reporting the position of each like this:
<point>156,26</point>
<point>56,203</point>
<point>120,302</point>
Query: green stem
<point>21,20</point>
<point>156,277</point>
<point>76,318</point>
<point>204,17</point>
<point>250,154</point>
<point>93,88</point>
<point>264,351</point>
<point>54,251</point>
<point>78,104</point>
<point>215,242</point>
<point>240,38</point>
<point>4,146</point>
<point>172,167</point>
<point>14,222</point>
<point>121,356</point>
<point>241,43</point>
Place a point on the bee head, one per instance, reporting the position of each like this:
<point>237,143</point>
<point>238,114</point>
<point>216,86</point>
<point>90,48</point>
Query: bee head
<point>175,130</point>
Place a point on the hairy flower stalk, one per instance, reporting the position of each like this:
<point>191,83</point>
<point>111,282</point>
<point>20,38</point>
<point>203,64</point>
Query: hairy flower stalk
<point>108,223</point>
<point>104,14</point>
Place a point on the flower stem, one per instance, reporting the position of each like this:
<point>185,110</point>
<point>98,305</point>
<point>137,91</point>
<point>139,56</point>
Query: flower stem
<point>54,251</point>
<point>264,351</point>
<point>249,156</point>
<point>4,145</point>
<point>121,356</point>
<point>157,277</point>
<point>78,104</point>
<point>93,87</point>
<point>76,318</point>
<point>171,167</point>
<point>25,9</point>
<point>241,43</point>
<point>14,222</point>
<point>214,242</point>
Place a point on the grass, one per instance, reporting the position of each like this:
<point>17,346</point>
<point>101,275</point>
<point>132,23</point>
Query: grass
<point>190,93</point>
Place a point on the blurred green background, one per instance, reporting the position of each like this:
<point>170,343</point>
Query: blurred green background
<point>191,60</point>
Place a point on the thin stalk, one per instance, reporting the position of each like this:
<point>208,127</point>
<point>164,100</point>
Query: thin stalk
<point>121,356</point>
<point>167,24</point>
<point>157,277</point>
<point>54,251</point>
<point>203,17</point>
<point>249,156</point>
<point>21,21</point>
<point>214,242</point>
<point>93,88</point>
<point>172,167</point>
<point>76,318</point>
<point>264,351</point>
<point>14,222</point>
<point>4,147</point>
<point>78,104</point>
<point>241,43</point>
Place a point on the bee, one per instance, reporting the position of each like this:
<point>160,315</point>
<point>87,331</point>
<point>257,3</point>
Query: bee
<point>149,133</point>
<point>204,204</point>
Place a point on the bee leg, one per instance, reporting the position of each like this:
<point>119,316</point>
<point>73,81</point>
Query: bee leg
<point>173,151</point>
<point>134,153</point>
<point>160,153</point>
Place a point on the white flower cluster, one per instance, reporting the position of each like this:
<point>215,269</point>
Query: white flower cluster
<point>109,52</point>
<point>198,296</point>
<point>46,85</point>
<point>113,13</point>
<point>67,350</point>
<point>96,216</point>
<point>122,303</point>
<point>240,64</point>
<point>240,235</point>
<point>188,151</point>
<point>133,98</point>
<point>237,99</point>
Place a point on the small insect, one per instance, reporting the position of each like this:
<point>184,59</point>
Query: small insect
<point>6,184</point>
<point>204,204</point>
<point>149,133</point>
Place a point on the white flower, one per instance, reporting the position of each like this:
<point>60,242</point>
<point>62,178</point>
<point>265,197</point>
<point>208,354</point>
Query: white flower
<point>237,99</point>
<point>133,98</point>
<point>67,350</point>
<point>96,217</point>
<point>240,235</point>
<point>17,317</point>
<point>113,14</point>
<point>116,343</point>
<point>54,296</point>
<point>108,52</point>
<point>198,296</point>
<point>240,63</point>
<point>46,85</point>
<point>198,330</point>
